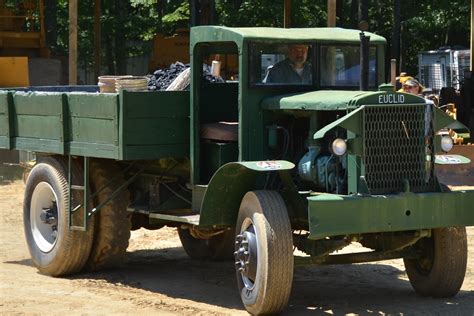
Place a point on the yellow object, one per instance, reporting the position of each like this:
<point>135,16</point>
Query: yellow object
<point>404,77</point>
<point>14,72</point>
<point>170,49</point>
<point>451,110</point>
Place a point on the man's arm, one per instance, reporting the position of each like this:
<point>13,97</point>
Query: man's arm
<point>275,74</point>
<point>272,75</point>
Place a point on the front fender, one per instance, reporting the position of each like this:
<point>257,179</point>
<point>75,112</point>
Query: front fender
<point>228,186</point>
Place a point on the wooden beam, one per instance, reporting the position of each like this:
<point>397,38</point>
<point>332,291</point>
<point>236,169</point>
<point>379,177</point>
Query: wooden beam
<point>395,50</point>
<point>97,38</point>
<point>331,13</point>
<point>42,30</point>
<point>287,14</point>
<point>472,36</point>
<point>73,42</point>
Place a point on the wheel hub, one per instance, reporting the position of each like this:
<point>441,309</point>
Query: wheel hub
<point>246,254</point>
<point>49,215</point>
<point>44,216</point>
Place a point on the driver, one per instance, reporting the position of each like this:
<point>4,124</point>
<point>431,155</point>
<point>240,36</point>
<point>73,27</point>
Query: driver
<point>294,69</point>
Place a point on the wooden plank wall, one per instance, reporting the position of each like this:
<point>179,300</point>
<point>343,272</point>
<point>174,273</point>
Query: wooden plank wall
<point>155,125</point>
<point>82,124</point>
<point>144,125</point>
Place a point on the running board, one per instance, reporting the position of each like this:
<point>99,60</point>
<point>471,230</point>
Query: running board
<point>192,219</point>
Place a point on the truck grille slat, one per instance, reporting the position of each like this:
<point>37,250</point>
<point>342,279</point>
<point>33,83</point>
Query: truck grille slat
<point>398,145</point>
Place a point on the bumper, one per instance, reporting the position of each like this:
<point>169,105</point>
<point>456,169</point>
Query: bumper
<point>332,215</point>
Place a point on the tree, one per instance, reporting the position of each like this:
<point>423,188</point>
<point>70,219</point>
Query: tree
<point>129,26</point>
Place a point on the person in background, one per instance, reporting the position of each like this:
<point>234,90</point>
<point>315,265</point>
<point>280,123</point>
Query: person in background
<point>294,69</point>
<point>412,86</point>
<point>401,79</point>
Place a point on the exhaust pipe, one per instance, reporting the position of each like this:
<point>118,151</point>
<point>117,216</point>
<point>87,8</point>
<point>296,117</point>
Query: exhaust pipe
<point>364,61</point>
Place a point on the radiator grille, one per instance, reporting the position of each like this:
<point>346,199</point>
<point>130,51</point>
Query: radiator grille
<point>398,145</point>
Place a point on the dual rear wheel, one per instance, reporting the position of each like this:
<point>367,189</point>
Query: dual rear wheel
<point>56,249</point>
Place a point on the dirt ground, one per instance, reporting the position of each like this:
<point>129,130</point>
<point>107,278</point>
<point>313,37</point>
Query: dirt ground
<point>161,280</point>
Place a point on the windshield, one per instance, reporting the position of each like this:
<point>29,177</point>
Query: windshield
<point>282,64</point>
<point>294,64</point>
<point>340,66</point>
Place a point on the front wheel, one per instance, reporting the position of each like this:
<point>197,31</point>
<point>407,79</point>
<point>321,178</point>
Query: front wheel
<point>440,270</point>
<point>264,253</point>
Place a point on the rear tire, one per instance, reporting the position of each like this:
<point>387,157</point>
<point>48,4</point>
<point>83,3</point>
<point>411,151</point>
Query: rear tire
<point>264,253</point>
<point>441,269</point>
<point>112,230</point>
<point>55,249</point>
<point>219,247</point>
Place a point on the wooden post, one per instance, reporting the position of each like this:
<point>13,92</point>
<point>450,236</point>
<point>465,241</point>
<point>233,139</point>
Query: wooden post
<point>331,13</point>
<point>73,42</point>
<point>42,31</point>
<point>194,12</point>
<point>395,54</point>
<point>97,38</point>
<point>472,37</point>
<point>287,14</point>
<point>363,11</point>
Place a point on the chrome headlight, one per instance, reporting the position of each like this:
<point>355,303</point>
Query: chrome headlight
<point>339,147</point>
<point>446,143</point>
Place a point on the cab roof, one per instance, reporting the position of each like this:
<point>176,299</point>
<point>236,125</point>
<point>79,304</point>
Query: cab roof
<point>274,34</point>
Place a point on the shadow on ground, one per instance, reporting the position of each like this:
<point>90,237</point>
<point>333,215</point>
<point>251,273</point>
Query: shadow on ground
<point>10,173</point>
<point>342,289</point>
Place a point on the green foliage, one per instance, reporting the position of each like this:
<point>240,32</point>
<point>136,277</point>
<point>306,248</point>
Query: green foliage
<point>250,13</point>
<point>179,18</point>
<point>308,13</point>
<point>129,26</point>
<point>146,3</point>
<point>433,25</point>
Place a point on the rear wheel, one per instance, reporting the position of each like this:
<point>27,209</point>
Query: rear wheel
<point>55,249</point>
<point>440,270</point>
<point>264,253</point>
<point>218,247</point>
<point>112,230</point>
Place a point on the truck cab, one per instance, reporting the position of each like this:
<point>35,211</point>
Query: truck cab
<point>332,58</point>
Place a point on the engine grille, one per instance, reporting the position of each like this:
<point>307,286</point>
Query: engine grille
<point>398,145</point>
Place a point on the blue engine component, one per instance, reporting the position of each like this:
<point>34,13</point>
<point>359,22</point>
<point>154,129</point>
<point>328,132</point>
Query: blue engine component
<point>323,170</point>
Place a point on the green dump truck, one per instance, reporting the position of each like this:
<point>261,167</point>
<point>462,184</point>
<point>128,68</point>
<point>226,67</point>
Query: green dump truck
<point>247,169</point>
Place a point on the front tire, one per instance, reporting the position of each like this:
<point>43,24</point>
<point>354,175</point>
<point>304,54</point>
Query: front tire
<point>264,253</point>
<point>440,271</point>
<point>55,249</point>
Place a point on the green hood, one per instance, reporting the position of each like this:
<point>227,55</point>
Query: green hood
<point>330,100</point>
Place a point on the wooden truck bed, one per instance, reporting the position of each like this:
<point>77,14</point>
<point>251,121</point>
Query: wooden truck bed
<point>125,126</point>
